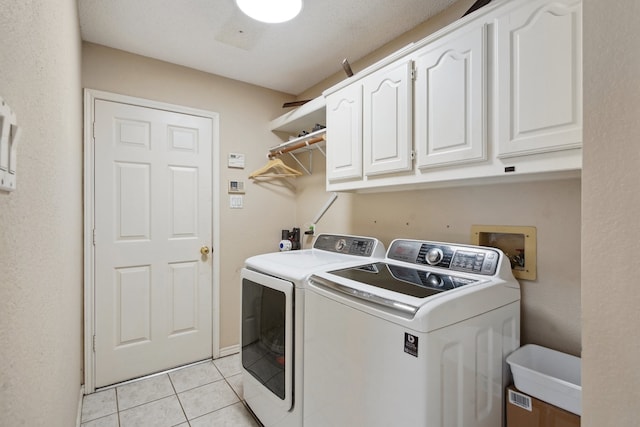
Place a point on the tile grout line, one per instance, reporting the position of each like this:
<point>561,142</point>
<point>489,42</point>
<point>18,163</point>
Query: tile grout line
<point>233,389</point>
<point>179,401</point>
<point>84,421</point>
<point>241,398</point>
<point>150,401</point>
<point>117,406</point>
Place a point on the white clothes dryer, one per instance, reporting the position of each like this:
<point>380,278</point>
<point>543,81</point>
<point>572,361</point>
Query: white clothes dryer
<point>272,324</point>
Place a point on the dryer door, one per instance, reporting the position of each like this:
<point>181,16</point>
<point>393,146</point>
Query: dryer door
<point>267,334</point>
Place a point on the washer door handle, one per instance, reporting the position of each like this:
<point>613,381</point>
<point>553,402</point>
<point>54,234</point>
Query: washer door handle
<point>398,307</point>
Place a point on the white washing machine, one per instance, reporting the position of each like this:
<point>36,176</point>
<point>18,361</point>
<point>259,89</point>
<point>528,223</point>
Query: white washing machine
<point>418,339</point>
<point>273,287</point>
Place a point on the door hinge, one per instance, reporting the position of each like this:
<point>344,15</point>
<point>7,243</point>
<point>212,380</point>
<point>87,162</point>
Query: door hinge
<point>94,237</point>
<point>93,344</point>
<point>413,74</point>
<point>93,130</point>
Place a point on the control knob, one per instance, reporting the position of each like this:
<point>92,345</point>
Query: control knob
<point>434,256</point>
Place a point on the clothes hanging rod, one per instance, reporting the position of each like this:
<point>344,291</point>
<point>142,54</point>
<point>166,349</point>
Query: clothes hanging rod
<point>296,144</point>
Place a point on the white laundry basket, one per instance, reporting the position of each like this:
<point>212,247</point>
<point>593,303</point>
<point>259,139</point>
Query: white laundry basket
<point>548,375</point>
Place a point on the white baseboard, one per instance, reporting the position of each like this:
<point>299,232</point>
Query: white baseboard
<point>79,414</point>
<point>228,351</point>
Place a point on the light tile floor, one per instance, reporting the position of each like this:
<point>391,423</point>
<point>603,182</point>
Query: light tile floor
<point>202,395</point>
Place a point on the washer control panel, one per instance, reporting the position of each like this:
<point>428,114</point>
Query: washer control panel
<point>349,245</point>
<point>472,259</point>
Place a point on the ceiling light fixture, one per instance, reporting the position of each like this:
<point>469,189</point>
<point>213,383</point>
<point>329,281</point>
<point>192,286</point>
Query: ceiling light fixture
<point>270,11</point>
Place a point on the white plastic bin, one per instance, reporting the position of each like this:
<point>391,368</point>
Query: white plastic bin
<point>548,375</point>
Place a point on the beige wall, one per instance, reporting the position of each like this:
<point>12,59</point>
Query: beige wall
<point>245,111</point>
<point>610,206</point>
<point>41,230</point>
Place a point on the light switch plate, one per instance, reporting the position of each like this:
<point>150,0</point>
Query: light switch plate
<point>9,135</point>
<point>235,202</point>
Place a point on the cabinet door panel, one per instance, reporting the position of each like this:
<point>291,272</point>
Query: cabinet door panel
<point>387,131</point>
<point>450,101</point>
<point>344,134</point>
<point>539,78</point>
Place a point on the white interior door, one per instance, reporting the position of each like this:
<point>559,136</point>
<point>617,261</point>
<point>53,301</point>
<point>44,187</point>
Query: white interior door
<point>152,216</point>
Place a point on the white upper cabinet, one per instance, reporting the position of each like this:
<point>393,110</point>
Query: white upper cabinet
<point>344,133</point>
<point>450,102</point>
<point>387,114</point>
<point>538,66</point>
<point>495,95</point>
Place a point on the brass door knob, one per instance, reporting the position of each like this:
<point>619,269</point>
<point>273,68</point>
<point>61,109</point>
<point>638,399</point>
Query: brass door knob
<point>204,250</point>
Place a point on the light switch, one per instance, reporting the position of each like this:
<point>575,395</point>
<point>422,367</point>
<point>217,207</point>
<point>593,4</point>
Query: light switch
<point>235,201</point>
<point>4,140</point>
<point>9,135</point>
<point>14,135</point>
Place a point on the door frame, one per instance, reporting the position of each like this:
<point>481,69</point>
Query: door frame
<point>90,96</point>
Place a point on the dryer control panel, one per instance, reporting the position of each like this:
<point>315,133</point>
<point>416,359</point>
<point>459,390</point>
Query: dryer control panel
<point>349,245</point>
<point>472,259</point>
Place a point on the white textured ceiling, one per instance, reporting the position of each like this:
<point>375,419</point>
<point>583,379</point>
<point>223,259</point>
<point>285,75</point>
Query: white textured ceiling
<point>214,36</point>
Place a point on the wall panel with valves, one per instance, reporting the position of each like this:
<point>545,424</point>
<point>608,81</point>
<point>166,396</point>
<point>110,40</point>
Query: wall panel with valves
<point>9,135</point>
<point>290,240</point>
<point>519,244</point>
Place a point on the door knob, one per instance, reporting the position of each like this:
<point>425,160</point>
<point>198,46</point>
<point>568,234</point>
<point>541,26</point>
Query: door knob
<point>204,250</point>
